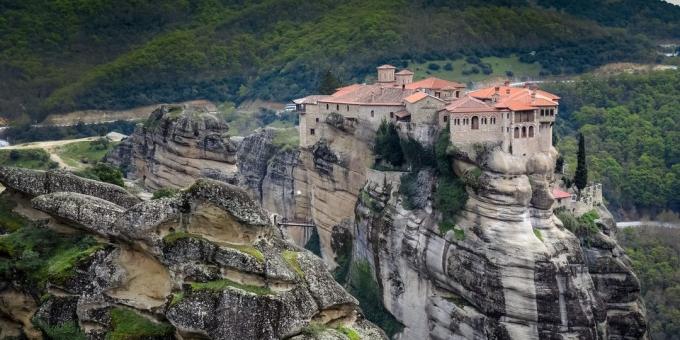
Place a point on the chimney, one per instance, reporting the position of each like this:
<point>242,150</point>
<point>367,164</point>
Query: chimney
<point>496,94</point>
<point>507,91</point>
<point>496,90</point>
<point>506,83</point>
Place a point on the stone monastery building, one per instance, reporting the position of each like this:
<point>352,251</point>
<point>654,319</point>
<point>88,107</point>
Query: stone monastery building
<point>519,119</point>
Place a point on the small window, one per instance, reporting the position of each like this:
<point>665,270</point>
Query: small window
<point>317,119</point>
<point>337,107</point>
<point>531,132</point>
<point>437,94</point>
<point>524,132</point>
<point>311,131</point>
<point>457,94</point>
<point>372,113</point>
<point>327,108</point>
<point>446,118</point>
<point>391,114</point>
<point>552,112</point>
<point>347,107</point>
<point>516,132</point>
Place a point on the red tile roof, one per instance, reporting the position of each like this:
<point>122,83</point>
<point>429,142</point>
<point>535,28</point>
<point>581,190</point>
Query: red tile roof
<point>415,97</point>
<point>558,193</point>
<point>509,98</point>
<point>434,83</point>
<point>364,94</point>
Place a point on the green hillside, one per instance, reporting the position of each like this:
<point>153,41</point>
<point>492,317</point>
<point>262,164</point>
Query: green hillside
<point>57,56</point>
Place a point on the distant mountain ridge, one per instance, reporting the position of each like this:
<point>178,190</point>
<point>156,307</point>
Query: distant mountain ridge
<point>68,55</point>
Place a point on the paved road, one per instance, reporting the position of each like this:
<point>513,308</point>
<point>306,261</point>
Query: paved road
<point>634,224</point>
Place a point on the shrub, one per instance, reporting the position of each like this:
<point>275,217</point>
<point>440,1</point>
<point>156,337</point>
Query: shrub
<point>473,60</point>
<point>448,67</point>
<point>509,74</point>
<point>388,145</point>
<point>416,155</point>
<point>165,192</point>
<point>314,243</point>
<point>128,324</point>
<point>449,198</point>
<point>364,287</point>
<point>433,67</point>
<point>105,173</point>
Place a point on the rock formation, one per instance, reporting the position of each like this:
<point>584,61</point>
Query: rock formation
<point>175,146</point>
<point>204,263</point>
<point>508,270</point>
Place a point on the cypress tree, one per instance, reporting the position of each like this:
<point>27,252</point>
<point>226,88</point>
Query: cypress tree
<point>581,175</point>
<point>329,83</point>
<point>388,144</point>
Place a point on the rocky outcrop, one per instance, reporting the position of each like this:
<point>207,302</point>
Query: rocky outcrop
<point>507,270</point>
<point>38,182</point>
<point>175,145</point>
<point>204,263</point>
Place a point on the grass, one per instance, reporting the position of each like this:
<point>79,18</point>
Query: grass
<point>248,249</point>
<point>458,233</point>
<point>39,255</point>
<point>78,154</point>
<point>172,238</point>
<point>457,300</point>
<point>27,158</point>
<point>314,329</point>
<point>538,234</point>
<point>127,324</point>
<point>9,220</point>
<point>349,332</point>
<point>66,331</point>
<point>165,192</point>
<point>220,285</point>
<point>499,65</point>
<point>286,138</point>
<point>291,258</point>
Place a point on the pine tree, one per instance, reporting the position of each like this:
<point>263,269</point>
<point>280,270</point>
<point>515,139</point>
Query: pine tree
<point>329,83</point>
<point>581,175</point>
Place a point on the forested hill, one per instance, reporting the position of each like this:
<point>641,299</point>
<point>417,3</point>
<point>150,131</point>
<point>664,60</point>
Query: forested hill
<point>61,55</point>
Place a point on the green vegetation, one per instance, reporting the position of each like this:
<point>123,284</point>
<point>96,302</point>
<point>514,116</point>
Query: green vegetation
<point>538,234</point>
<point>127,324</point>
<point>246,248</point>
<point>364,287</point>
<point>65,331</point>
<point>329,83</point>
<point>349,332</point>
<point>172,238</point>
<point>9,220</point>
<point>37,255</point>
<point>581,175</point>
<point>25,132</point>
<point>87,152</point>
<point>291,258</point>
<point>220,285</point>
<point>631,125</point>
<point>314,329</point>
<point>165,192</point>
<point>103,172</point>
<point>582,226</point>
<point>245,122</point>
<point>408,190</point>
<point>655,255</point>
<point>388,145</point>
<point>449,198</point>
<point>56,59</point>
<point>287,138</point>
<point>314,243</point>
<point>462,71</point>
<point>27,158</point>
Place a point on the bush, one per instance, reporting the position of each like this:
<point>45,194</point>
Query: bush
<point>416,155</point>
<point>509,74</point>
<point>448,67</point>
<point>388,145</point>
<point>473,60</point>
<point>105,173</point>
<point>449,198</point>
<point>128,324</point>
<point>364,287</point>
<point>165,192</point>
<point>433,67</point>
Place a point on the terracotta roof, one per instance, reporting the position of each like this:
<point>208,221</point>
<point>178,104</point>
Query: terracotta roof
<point>558,193</point>
<point>433,83</point>
<point>373,94</point>
<point>515,105</point>
<point>386,66</point>
<point>405,71</point>
<point>416,97</point>
<point>516,98</point>
<point>470,104</point>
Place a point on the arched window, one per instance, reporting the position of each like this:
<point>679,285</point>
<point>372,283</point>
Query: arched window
<point>372,113</point>
<point>524,132</point>
<point>326,106</point>
<point>516,132</point>
<point>475,123</point>
<point>531,132</point>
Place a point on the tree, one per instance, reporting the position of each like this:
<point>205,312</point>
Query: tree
<point>581,175</point>
<point>329,83</point>
<point>388,145</point>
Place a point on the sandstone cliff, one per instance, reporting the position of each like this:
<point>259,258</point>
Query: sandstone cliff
<point>204,263</point>
<point>509,269</point>
<point>176,145</point>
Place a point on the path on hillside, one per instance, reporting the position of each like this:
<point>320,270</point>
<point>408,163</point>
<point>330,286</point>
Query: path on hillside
<point>635,224</point>
<point>51,147</point>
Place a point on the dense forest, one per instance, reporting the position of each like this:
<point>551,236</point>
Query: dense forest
<point>655,254</point>
<point>57,56</point>
<point>631,124</point>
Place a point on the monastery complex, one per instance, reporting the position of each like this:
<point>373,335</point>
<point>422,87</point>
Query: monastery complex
<point>519,119</point>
